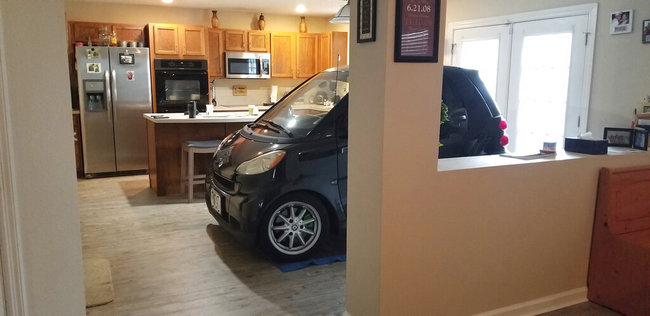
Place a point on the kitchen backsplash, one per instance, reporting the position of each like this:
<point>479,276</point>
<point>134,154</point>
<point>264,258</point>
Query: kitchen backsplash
<point>258,90</point>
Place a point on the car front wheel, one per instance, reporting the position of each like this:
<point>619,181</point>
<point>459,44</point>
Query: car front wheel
<point>294,227</point>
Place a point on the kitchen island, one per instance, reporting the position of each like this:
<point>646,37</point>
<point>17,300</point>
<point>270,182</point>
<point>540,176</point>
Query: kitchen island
<point>167,131</point>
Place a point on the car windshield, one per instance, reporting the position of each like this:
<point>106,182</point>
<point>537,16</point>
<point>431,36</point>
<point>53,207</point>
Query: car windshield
<point>298,113</point>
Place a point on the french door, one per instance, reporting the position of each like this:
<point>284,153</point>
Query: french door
<point>535,71</point>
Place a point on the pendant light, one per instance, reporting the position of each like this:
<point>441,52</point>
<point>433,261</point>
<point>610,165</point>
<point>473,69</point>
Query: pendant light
<point>343,16</point>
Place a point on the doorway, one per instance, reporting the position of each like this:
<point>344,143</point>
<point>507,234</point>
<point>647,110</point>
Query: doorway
<point>537,67</point>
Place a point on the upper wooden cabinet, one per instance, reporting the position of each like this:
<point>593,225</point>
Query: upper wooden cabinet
<point>306,54</point>
<point>258,41</point>
<point>235,40</point>
<point>215,53</point>
<point>193,40</point>
<point>177,41</point>
<point>331,46</point>
<point>283,54</point>
<point>246,41</point>
<point>165,39</point>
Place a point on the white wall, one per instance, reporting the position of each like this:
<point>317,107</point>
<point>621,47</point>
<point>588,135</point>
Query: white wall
<point>621,72</point>
<point>40,146</point>
<point>423,242</point>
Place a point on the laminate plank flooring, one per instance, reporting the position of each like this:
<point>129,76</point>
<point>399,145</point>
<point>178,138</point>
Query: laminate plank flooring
<point>170,257</point>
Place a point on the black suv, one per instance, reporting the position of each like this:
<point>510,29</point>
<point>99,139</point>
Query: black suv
<point>281,182</point>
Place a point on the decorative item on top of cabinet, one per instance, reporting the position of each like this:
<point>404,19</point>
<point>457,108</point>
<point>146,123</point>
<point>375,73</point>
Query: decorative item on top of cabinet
<point>303,25</point>
<point>261,23</point>
<point>214,20</point>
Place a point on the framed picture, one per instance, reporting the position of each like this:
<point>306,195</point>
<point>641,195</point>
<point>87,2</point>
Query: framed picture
<point>417,24</point>
<point>366,21</point>
<point>646,32</point>
<point>646,109</point>
<point>621,22</point>
<point>622,137</point>
<point>640,139</point>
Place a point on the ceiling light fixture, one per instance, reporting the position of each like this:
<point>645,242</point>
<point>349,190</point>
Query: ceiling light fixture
<point>167,1</point>
<point>301,8</point>
<point>343,16</point>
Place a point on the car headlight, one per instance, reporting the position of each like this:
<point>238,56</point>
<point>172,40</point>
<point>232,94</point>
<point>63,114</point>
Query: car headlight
<point>261,163</point>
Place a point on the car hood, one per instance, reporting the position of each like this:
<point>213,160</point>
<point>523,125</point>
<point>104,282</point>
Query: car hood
<point>237,149</point>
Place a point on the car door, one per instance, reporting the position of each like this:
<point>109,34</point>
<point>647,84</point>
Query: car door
<point>342,150</point>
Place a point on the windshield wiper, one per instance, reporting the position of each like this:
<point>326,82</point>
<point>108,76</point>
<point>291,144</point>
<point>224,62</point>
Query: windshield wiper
<point>278,126</point>
<point>264,126</point>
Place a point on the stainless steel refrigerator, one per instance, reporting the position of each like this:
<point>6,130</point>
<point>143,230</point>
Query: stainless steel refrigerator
<point>114,92</point>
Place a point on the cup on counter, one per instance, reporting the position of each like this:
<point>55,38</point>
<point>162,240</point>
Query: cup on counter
<point>253,110</point>
<point>209,108</point>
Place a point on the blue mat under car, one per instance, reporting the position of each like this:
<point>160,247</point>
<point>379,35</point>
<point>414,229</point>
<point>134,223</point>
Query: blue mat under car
<point>331,251</point>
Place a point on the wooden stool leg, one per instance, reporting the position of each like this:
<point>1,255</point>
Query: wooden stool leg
<point>183,167</point>
<point>190,175</point>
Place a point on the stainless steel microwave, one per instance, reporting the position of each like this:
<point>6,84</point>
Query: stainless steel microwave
<point>248,65</point>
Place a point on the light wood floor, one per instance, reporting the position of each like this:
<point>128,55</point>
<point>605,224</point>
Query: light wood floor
<point>169,257</point>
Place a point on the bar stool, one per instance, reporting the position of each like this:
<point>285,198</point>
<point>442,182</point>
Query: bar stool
<point>187,169</point>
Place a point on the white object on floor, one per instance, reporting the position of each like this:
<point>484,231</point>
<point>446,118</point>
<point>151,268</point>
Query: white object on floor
<point>98,282</point>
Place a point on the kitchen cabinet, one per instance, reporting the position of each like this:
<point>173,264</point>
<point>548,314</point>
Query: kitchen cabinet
<point>258,41</point>
<point>177,40</point>
<point>283,54</point>
<point>246,41</point>
<point>235,40</point>
<point>307,55</point>
<point>215,53</point>
<point>331,46</point>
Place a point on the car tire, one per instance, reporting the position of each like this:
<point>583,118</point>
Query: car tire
<point>294,227</point>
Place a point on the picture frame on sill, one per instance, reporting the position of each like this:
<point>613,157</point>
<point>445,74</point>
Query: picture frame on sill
<point>645,32</point>
<point>621,22</point>
<point>367,21</point>
<point>619,137</point>
<point>640,139</point>
<point>417,28</point>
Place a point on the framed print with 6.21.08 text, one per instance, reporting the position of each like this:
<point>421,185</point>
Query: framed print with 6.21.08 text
<point>417,24</point>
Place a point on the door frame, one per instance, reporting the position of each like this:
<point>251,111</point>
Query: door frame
<point>591,10</point>
<point>11,261</point>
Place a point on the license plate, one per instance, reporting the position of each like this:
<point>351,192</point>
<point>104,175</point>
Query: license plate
<point>215,200</point>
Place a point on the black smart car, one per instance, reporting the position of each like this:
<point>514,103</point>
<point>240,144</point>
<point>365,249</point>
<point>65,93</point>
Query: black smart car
<point>281,182</point>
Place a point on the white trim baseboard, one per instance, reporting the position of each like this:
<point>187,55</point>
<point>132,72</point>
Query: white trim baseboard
<point>542,305</point>
<point>13,281</point>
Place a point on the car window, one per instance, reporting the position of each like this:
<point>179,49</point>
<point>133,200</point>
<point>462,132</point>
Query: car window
<point>304,108</point>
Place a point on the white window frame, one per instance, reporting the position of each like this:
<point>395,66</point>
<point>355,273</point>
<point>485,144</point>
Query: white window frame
<point>591,10</point>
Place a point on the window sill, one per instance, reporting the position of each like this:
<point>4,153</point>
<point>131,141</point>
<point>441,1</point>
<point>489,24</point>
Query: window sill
<point>474,162</point>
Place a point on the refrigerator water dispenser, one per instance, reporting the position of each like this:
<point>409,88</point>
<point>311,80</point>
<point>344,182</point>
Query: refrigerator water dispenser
<point>94,93</point>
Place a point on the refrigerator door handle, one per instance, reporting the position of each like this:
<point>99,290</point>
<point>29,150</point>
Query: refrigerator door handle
<point>109,98</point>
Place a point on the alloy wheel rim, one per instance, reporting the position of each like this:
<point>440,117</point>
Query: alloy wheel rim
<point>294,228</point>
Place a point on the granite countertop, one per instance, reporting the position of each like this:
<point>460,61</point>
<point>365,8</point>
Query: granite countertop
<point>217,117</point>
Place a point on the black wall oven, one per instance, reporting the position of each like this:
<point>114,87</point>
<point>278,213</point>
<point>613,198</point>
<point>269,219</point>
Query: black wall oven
<point>179,82</point>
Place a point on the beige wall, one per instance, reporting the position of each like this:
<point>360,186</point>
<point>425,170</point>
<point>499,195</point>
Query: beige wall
<point>36,103</point>
<point>620,78</point>
<point>258,90</point>
<point>423,242</point>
